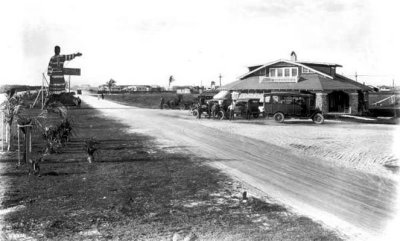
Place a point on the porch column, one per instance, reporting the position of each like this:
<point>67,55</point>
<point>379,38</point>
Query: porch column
<point>321,101</point>
<point>353,103</point>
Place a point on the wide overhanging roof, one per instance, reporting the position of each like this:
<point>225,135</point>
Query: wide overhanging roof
<point>311,82</point>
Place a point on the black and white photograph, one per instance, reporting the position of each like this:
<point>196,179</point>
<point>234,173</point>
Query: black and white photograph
<point>191,120</point>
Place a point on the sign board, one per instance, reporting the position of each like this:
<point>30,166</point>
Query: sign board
<point>235,95</point>
<point>70,71</point>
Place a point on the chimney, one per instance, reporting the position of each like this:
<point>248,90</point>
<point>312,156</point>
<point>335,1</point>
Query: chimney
<point>333,71</point>
<point>293,57</point>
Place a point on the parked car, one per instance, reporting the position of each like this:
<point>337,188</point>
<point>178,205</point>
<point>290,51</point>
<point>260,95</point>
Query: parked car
<point>247,108</point>
<point>285,105</point>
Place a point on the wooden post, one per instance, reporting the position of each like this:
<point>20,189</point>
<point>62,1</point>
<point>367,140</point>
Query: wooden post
<point>19,160</point>
<point>2,131</point>
<point>26,144</point>
<point>30,139</point>
<point>42,91</point>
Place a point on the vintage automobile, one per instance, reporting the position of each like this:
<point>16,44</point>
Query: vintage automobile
<point>205,108</point>
<point>217,109</point>
<point>247,108</point>
<point>285,105</point>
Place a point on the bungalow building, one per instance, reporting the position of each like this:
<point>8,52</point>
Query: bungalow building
<point>333,93</point>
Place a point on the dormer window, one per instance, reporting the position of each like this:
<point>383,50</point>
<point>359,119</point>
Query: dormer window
<point>283,72</point>
<point>284,75</point>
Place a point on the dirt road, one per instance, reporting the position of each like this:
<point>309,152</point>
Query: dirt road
<point>353,201</point>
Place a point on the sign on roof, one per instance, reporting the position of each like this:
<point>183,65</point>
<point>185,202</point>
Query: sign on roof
<point>70,71</point>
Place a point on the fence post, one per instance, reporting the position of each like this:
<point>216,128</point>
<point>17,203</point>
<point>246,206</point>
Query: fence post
<point>19,160</point>
<point>2,131</point>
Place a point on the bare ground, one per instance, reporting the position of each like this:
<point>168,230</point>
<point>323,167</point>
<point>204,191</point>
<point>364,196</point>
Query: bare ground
<point>137,190</point>
<point>370,148</point>
<point>355,200</point>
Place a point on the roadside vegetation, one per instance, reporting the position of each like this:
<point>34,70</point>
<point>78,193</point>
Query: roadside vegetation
<point>149,100</point>
<point>137,190</point>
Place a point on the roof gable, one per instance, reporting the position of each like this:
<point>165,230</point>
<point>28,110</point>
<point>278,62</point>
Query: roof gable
<point>288,62</point>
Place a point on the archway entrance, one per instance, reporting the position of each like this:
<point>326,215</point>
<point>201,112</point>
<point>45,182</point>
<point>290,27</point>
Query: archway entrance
<point>338,101</point>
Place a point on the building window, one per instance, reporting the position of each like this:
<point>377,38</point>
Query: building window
<point>287,72</point>
<point>294,72</point>
<point>306,70</point>
<point>283,72</point>
<point>272,72</point>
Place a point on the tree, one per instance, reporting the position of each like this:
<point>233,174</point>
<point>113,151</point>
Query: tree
<point>171,79</point>
<point>110,84</point>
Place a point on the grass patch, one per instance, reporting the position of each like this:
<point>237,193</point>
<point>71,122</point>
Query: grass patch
<point>149,100</point>
<point>138,191</point>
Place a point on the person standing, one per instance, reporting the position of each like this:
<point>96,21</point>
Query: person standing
<point>199,107</point>
<point>232,110</point>
<point>79,102</point>
<point>162,103</point>
<point>56,70</point>
<point>209,108</point>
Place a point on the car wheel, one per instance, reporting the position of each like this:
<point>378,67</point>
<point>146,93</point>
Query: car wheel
<point>256,115</point>
<point>221,115</point>
<point>195,113</point>
<point>279,117</point>
<point>318,118</point>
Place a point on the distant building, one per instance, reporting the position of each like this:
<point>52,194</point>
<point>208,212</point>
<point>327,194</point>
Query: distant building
<point>184,89</point>
<point>137,88</point>
<point>102,88</point>
<point>156,88</point>
<point>187,89</point>
<point>116,88</point>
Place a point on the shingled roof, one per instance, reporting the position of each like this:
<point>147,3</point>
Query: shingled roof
<point>309,82</point>
<point>315,81</point>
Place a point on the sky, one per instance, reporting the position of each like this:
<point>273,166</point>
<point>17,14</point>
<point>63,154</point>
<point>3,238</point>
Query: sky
<point>145,42</point>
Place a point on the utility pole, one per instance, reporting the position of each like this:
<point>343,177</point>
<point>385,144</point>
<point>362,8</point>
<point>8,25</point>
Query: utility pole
<point>356,77</point>
<point>220,77</point>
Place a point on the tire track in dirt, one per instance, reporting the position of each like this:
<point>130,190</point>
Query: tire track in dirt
<point>350,200</point>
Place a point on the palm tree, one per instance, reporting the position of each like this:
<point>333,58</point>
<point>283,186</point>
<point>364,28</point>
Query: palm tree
<point>110,84</point>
